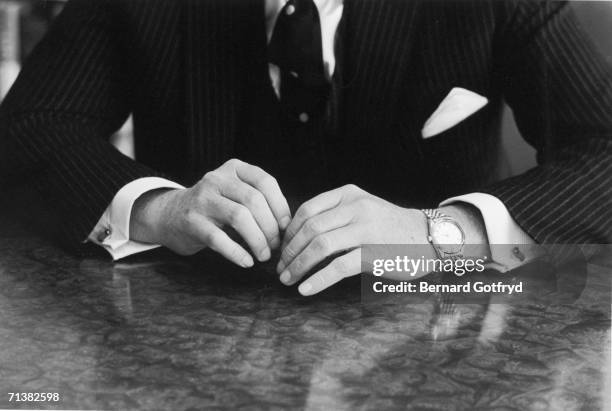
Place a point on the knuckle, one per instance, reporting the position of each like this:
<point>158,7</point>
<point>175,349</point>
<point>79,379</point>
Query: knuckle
<point>271,181</point>
<point>341,265</point>
<point>266,180</point>
<point>237,215</point>
<point>211,238</point>
<point>322,244</point>
<point>289,254</point>
<point>232,162</point>
<point>210,178</point>
<point>351,188</point>
<point>190,217</point>
<point>253,199</point>
<point>305,211</point>
<point>311,227</point>
<point>300,265</point>
<point>201,198</point>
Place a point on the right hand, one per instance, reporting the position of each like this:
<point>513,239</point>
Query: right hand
<point>236,195</point>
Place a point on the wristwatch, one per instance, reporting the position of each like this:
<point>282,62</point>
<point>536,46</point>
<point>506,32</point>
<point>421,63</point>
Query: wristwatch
<point>445,235</point>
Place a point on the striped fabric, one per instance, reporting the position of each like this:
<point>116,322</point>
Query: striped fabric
<point>186,69</point>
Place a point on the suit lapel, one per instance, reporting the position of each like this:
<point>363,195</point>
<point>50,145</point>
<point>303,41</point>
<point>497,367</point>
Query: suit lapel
<point>378,40</point>
<point>223,39</point>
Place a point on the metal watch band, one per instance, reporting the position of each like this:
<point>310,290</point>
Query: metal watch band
<point>433,213</point>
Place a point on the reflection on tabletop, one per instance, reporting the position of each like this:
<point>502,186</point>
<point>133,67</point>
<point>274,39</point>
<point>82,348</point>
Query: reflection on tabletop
<point>161,332</point>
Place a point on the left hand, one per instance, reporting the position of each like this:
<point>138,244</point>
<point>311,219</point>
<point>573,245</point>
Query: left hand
<point>342,220</point>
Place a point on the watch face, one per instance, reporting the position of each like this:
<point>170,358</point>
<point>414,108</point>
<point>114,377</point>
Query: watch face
<point>448,236</point>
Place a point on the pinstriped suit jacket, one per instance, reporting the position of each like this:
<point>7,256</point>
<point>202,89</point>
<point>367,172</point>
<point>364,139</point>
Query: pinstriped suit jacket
<point>185,69</point>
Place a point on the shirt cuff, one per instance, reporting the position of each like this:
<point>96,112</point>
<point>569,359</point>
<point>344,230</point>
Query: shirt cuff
<point>510,246</point>
<point>112,231</point>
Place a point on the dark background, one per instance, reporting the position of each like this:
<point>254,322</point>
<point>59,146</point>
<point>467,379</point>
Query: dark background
<point>518,156</point>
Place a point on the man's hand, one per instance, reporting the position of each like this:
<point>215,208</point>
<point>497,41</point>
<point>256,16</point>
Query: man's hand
<point>340,221</point>
<point>236,195</point>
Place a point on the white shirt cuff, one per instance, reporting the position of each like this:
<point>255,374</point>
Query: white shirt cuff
<point>113,229</point>
<point>510,246</point>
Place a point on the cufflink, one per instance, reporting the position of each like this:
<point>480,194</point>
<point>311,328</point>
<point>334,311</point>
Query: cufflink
<point>518,254</point>
<point>104,235</point>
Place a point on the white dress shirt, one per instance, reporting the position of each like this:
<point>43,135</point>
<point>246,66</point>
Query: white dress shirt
<point>112,231</point>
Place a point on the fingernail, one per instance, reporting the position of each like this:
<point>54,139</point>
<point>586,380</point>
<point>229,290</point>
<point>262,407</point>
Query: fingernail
<point>305,288</point>
<point>265,254</point>
<point>284,222</point>
<point>247,261</point>
<point>280,267</point>
<point>285,277</point>
<point>275,242</point>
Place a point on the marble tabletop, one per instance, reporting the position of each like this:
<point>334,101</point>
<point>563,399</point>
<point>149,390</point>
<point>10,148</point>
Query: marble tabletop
<point>173,333</point>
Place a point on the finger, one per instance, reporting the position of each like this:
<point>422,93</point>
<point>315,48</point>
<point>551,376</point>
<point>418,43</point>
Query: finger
<point>217,240</point>
<point>240,219</point>
<point>268,186</point>
<point>320,248</point>
<point>309,209</point>
<point>315,226</point>
<point>344,266</point>
<point>254,200</point>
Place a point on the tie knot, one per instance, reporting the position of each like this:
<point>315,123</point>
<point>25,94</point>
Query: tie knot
<point>297,7</point>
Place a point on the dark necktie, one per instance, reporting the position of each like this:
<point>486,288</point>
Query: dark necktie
<point>295,47</point>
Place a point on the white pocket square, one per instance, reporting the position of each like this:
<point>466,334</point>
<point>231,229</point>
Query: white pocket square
<point>458,105</point>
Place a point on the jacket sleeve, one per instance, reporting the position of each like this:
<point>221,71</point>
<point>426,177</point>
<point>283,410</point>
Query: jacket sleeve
<point>560,90</point>
<point>55,123</point>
